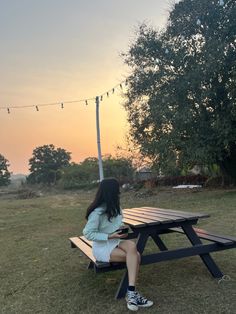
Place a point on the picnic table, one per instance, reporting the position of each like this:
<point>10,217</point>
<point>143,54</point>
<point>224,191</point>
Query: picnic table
<point>152,222</point>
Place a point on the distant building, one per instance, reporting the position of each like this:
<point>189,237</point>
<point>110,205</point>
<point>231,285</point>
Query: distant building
<point>144,174</point>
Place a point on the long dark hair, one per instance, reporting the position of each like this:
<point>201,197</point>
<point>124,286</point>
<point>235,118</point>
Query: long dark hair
<point>108,193</point>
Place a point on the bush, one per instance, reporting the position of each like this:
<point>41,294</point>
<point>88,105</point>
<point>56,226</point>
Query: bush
<point>27,193</point>
<point>191,179</point>
<point>173,181</point>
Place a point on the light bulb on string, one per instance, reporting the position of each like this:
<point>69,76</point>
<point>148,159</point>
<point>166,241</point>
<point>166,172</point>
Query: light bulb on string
<point>61,104</point>
<point>166,51</point>
<point>198,22</point>
<point>221,2</point>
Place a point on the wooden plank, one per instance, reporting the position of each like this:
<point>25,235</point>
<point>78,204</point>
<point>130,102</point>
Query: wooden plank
<point>176,217</point>
<point>90,243</point>
<point>144,215</point>
<point>183,213</point>
<point>84,248</point>
<point>87,250</point>
<point>133,223</point>
<point>140,219</point>
<point>201,231</point>
<point>152,214</point>
<point>206,236</point>
<point>152,218</point>
<point>178,212</point>
<point>166,212</point>
<point>170,212</point>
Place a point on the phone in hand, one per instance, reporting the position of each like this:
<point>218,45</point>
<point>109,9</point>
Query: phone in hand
<point>122,230</point>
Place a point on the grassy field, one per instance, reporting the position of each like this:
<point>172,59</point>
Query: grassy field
<point>40,273</point>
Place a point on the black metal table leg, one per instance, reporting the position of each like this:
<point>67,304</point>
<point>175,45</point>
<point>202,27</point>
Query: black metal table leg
<point>142,240</point>
<point>159,242</point>
<point>122,289</point>
<point>90,265</point>
<point>206,258</point>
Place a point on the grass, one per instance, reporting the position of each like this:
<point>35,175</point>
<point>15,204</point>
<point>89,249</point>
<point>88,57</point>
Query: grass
<point>40,273</point>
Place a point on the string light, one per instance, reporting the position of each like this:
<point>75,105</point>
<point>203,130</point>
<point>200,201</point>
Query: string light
<point>198,22</point>
<point>107,93</point>
<point>221,2</point>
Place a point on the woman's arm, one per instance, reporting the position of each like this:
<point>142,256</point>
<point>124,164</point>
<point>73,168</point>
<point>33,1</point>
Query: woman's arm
<point>91,231</point>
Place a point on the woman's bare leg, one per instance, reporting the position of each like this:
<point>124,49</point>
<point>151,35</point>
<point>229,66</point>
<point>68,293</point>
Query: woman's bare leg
<point>117,255</point>
<point>132,260</point>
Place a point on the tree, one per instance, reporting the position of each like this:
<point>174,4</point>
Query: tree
<point>46,164</point>
<point>4,173</point>
<point>120,167</point>
<point>181,94</point>
<point>80,175</point>
<point>87,172</point>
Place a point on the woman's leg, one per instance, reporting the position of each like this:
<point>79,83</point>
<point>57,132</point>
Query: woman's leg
<point>132,260</point>
<point>117,255</point>
<point>127,251</point>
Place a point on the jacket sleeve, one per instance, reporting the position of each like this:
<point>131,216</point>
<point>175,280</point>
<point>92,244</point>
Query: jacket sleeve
<point>91,231</point>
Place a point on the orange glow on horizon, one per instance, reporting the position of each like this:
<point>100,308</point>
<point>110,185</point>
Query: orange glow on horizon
<point>72,128</point>
<point>53,52</point>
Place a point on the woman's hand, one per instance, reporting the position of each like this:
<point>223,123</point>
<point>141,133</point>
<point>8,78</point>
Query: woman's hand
<point>118,235</point>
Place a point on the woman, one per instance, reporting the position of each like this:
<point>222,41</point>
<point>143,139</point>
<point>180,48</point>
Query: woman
<point>104,217</point>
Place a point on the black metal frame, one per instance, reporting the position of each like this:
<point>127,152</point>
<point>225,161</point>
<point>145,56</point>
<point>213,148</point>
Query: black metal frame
<point>197,249</point>
<point>154,230</point>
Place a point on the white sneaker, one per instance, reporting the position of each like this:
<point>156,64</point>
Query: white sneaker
<point>142,301</point>
<point>132,302</point>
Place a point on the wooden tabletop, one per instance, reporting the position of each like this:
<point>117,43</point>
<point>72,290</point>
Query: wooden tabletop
<point>147,216</point>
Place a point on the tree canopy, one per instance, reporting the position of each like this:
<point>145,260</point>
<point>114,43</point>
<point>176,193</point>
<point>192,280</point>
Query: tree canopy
<point>86,172</point>
<point>181,98</point>
<point>46,164</point>
<point>4,172</point>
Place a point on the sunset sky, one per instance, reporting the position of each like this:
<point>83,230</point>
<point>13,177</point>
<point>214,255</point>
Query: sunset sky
<point>58,50</point>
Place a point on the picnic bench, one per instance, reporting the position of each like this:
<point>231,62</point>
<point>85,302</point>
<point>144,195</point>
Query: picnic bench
<point>153,222</point>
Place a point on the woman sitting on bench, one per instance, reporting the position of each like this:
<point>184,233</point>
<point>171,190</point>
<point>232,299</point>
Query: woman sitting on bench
<point>104,217</point>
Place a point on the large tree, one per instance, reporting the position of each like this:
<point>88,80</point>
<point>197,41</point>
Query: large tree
<point>4,172</point>
<point>181,98</point>
<point>46,164</point>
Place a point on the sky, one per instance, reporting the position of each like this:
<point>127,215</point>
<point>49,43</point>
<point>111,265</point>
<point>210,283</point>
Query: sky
<point>62,50</point>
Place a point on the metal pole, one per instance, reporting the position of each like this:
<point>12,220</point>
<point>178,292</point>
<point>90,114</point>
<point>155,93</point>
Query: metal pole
<point>101,175</point>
